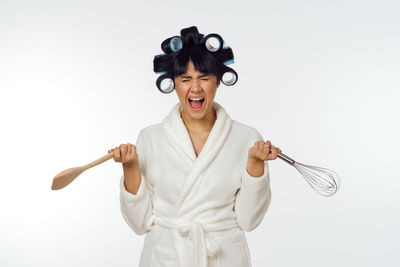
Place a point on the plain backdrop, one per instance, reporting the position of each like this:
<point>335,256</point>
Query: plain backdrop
<point>320,79</point>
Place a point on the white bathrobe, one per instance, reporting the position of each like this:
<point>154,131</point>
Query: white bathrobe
<point>194,209</point>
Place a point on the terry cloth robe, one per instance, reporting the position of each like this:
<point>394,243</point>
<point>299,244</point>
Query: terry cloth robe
<point>194,209</point>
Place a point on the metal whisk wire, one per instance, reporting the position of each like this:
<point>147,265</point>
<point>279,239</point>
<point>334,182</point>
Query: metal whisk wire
<point>324,181</point>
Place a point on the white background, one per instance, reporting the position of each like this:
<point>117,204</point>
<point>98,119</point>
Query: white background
<point>320,79</point>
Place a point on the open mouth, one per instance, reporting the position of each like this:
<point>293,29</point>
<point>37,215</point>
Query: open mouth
<point>196,103</point>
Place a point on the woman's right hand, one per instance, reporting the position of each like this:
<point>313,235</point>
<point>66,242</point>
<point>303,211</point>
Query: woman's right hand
<point>126,154</point>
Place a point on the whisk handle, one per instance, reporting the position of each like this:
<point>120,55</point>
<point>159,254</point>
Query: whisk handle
<point>285,158</point>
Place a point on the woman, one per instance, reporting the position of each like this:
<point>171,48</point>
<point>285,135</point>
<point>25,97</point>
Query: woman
<point>196,181</point>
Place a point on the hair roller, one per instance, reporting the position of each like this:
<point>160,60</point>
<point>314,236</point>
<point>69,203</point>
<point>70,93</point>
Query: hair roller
<point>213,42</point>
<point>172,45</point>
<point>165,83</point>
<point>229,77</point>
<point>162,63</point>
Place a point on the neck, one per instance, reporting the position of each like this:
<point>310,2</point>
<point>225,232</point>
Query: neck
<point>201,125</point>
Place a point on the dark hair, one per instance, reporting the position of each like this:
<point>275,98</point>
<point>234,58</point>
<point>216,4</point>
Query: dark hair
<point>192,45</point>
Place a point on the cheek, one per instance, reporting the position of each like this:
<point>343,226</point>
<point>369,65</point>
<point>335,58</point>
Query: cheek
<point>210,90</point>
<point>181,92</point>
<point>182,87</point>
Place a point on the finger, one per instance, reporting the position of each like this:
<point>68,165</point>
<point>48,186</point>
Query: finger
<point>260,146</point>
<point>124,149</point>
<point>253,151</point>
<point>129,152</point>
<point>274,154</point>
<point>268,146</point>
<point>256,147</point>
<point>277,148</point>
<point>132,149</point>
<point>117,155</point>
<point>257,143</point>
<point>265,149</point>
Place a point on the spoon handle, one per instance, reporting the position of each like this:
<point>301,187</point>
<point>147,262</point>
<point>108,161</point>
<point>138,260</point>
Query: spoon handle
<point>98,161</point>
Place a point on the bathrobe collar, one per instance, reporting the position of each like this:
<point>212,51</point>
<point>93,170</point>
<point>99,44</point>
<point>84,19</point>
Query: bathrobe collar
<point>179,138</point>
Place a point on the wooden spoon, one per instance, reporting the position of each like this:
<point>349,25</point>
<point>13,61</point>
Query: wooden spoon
<point>66,177</point>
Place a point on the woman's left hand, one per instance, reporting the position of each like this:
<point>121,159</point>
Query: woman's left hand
<point>262,151</point>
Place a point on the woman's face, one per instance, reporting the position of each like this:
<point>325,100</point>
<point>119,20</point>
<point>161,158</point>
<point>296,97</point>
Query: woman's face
<point>196,85</point>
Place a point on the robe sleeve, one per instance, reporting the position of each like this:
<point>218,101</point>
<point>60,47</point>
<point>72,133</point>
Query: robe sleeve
<point>137,208</point>
<point>253,198</point>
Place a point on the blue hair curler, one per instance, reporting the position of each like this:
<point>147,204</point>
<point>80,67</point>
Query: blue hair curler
<point>175,44</point>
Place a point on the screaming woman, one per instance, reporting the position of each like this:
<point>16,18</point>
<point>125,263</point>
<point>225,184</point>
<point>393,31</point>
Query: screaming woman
<point>194,182</point>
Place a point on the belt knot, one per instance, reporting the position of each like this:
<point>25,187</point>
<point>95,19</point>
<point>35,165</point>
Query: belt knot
<point>203,245</point>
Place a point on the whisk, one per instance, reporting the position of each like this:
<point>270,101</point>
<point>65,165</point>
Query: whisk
<point>324,181</point>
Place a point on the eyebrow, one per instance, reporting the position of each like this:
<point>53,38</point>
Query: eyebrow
<point>188,76</point>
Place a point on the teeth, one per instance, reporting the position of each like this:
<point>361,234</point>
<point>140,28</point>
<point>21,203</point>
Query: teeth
<point>195,99</point>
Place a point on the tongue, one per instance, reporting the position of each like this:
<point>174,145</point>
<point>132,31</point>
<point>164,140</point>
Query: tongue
<point>196,104</point>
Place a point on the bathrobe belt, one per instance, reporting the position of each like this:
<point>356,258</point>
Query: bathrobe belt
<point>203,244</point>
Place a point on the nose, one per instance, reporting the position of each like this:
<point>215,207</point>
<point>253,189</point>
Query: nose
<point>196,85</point>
